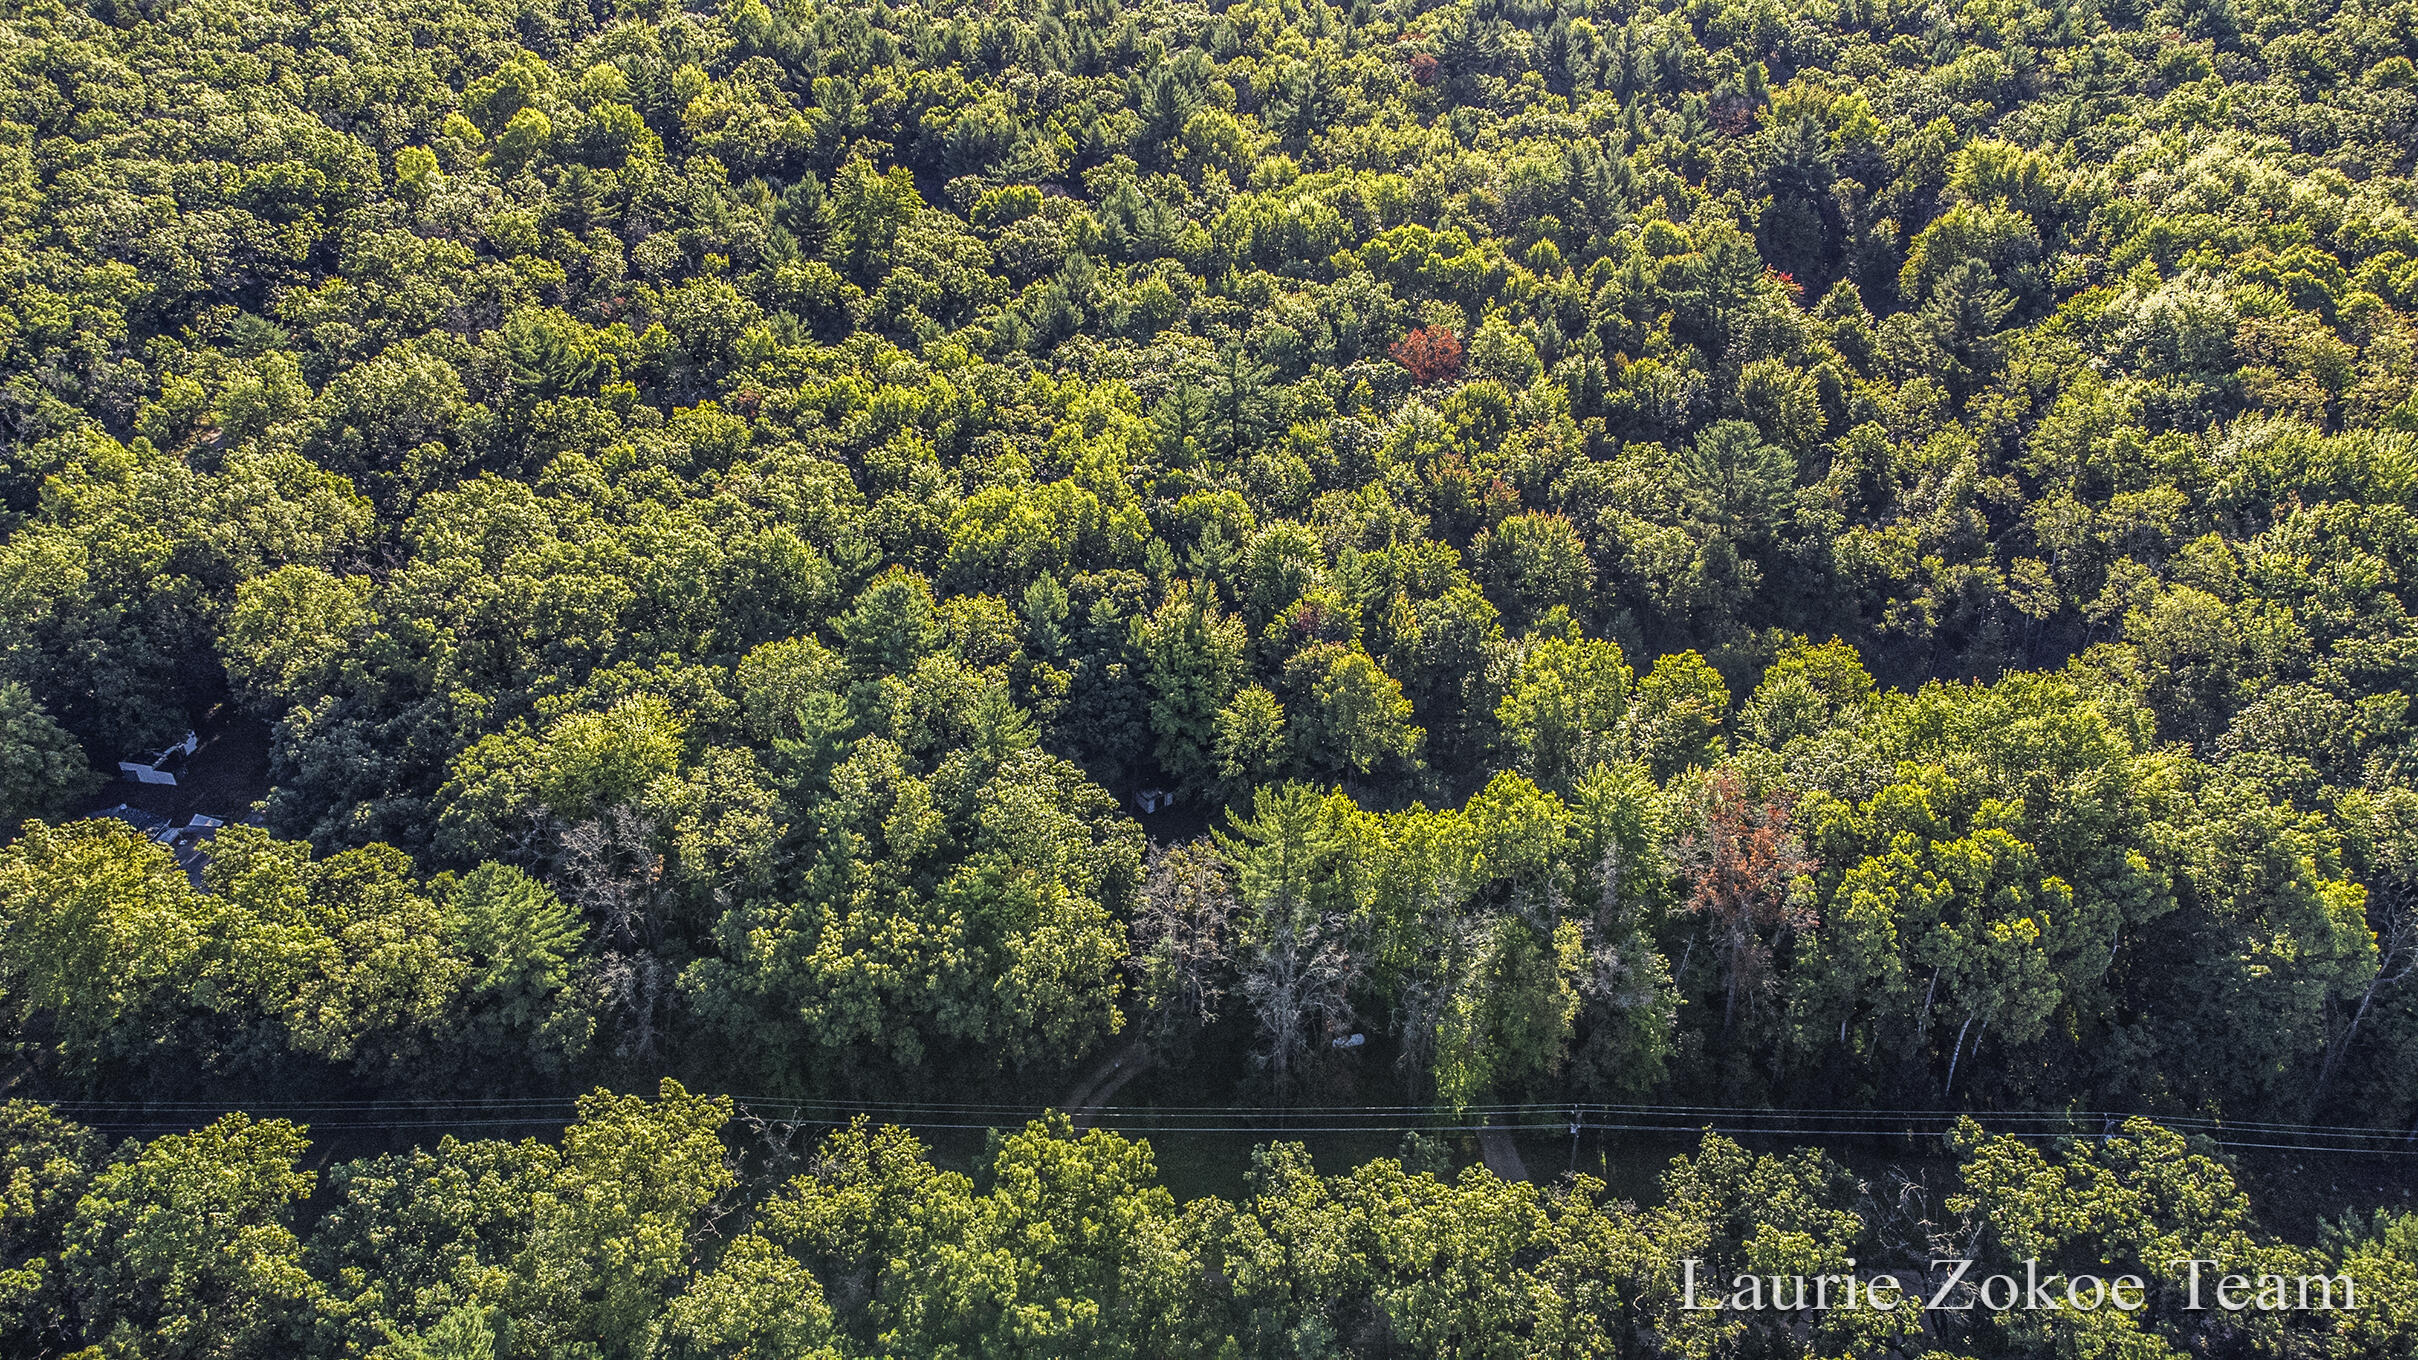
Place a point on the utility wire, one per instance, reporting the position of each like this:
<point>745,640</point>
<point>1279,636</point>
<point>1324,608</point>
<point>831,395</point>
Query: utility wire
<point>2075,1117</point>
<point>1534,1117</point>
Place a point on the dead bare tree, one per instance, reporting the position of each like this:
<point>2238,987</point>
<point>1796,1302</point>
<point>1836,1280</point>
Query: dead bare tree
<point>1913,1231</point>
<point>609,867</point>
<point>631,986</point>
<point>1183,939</point>
<point>1298,978</point>
<point>778,1139</point>
<point>1297,947</point>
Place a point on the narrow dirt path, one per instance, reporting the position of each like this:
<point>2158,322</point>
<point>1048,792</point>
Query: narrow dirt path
<point>1106,1080</point>
<point>1501,1154</point>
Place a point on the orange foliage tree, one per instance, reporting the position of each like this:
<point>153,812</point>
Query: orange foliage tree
<point>1431,353</point>
<point>1742,862</point>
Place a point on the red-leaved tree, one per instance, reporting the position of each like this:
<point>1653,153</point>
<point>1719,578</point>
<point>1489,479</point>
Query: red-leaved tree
<point>1431,353</point>
<point>1741,861</point>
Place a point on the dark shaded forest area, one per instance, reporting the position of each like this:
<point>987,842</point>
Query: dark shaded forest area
<point>1803,553</point>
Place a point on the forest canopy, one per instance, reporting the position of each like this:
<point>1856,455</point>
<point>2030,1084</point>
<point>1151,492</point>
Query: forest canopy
<point>1827,554</point>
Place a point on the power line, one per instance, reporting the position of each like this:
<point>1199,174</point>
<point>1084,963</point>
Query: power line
<point>2074,1117</point>
<point>1175,1121</point>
